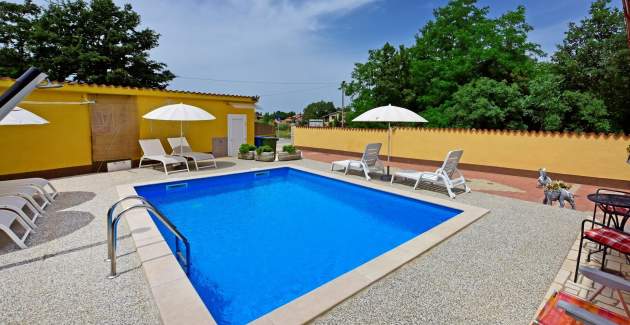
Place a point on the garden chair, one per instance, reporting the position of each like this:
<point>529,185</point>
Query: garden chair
<point>369,162</point>
<point>21,207</point>
<point>181,148</point>
<point>152,150</point>
<point>44,185</point>
<point>447,175</point>
<point>563,308</point>
<point>615,283</point>
<point>31,194</point>
<point>606,237</point>
<point>7,218</point>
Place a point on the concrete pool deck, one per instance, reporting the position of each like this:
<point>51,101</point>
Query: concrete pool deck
<point>496,270</point>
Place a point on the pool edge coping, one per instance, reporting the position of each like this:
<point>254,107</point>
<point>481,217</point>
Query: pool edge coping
<point>178,301</point>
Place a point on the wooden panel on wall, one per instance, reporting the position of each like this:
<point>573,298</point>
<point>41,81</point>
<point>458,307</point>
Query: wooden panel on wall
<point>264,129</point>
<point>114,122</point>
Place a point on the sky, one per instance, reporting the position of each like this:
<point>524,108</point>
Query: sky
<point>292,53</point>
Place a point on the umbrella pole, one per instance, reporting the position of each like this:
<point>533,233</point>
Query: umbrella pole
<point>389,140</point>
<point>181,136</point>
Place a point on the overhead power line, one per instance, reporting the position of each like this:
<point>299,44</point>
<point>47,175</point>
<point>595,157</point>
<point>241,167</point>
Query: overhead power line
<point>296,91</point>
<point>271,82</point>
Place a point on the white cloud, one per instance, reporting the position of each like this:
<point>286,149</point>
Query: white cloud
<point>549,37</point>
<point>254,40</point>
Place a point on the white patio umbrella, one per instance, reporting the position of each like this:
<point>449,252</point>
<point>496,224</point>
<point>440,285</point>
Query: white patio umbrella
<point>20,116</point>
<point>179,112</point>
<point>389,114</point>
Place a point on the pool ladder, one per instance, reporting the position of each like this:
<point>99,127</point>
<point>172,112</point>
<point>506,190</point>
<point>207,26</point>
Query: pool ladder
<point>112,223</point>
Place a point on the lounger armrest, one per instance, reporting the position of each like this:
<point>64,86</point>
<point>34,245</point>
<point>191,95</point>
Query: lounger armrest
<point>582,314</point>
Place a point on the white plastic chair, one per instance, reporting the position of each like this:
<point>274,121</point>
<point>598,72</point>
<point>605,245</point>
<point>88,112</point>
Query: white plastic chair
<point>7,218</point>
<point>181,148</point>
<point>33,195</point>
<point>44,185</point>
<point>152,150</point>
<point>21,207</point>
<point>447,175</point>
<point>369,162</point>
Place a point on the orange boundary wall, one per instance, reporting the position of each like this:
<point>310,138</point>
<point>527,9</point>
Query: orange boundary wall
<point>579,154</point>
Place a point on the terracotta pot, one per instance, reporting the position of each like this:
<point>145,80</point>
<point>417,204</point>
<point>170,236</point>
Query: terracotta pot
<point>284,156</point>
<point>247,156</point>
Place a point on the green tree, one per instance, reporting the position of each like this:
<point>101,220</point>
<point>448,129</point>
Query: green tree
<point>547,106</point>
<point>460,45</point>
<point>16,24</point>
<point>384,79</point>
<point>484,104</point>
<point>267,118</point>
<point>463,44</point>
<point>95,42</point>
<point>594,58</point>
<point>282,115</point>
<point>541,105</point>
<point>318,110</point>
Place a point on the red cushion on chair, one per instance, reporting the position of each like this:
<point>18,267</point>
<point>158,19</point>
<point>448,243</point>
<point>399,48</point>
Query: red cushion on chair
<point>610,237</point>
<point>616,210</point>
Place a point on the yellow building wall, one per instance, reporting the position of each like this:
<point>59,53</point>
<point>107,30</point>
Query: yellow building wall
<point>590,155</point>
<point>199,133</point>
<point>66,141</point>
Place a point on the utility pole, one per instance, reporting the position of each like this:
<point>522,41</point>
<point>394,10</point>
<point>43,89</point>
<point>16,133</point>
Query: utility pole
<point>343,111</point>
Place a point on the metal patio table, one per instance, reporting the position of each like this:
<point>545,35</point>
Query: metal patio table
<point>614,204</point>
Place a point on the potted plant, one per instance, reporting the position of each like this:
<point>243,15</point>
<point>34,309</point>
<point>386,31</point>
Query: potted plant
<point>289,152</point>
<point>558,191</point>
<point>265,153</point>
<point>246,151</point>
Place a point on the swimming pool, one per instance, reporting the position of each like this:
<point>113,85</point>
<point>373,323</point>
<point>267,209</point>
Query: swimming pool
<point>262,239</point>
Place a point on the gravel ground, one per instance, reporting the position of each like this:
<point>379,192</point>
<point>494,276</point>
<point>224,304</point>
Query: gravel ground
<point>495,271</point>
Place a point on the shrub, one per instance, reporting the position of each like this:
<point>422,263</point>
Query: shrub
<point>289,149</point>
<point>245,148</point>
<point>283,127</point>
<point>264,148</point>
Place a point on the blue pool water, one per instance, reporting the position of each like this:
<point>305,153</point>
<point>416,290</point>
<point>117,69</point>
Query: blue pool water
<point>259,240</point>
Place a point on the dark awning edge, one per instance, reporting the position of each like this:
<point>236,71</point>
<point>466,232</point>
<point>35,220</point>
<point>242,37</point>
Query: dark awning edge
<point>22,87</point>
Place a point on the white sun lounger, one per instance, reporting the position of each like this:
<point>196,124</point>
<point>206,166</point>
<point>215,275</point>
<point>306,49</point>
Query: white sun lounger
<point>7,218</point>
<point>447,175</point>
<point>31,194</point>
<point>152,150</point>
<point>181,147</point>
<point>369,162</point>
<point>44,185</point>
<point>22,208</point>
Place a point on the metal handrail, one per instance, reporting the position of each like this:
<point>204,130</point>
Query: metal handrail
<point>112,229</point>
